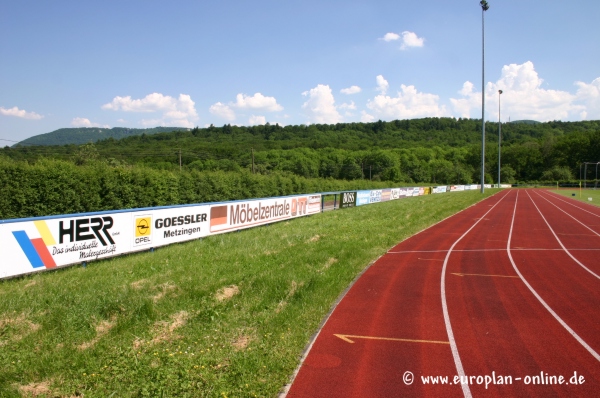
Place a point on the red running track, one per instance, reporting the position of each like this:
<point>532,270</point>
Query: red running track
<point>505,293</point>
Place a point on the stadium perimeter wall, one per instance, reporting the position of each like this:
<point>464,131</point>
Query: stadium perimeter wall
<point>43,243</point>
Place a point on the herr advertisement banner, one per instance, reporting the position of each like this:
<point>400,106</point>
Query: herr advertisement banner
<point>45,243</point>
<point>347,199</point>
<point>245,214</point>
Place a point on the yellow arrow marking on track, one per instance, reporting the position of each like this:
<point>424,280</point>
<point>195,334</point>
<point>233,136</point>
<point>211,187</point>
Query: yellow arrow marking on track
<point>346,338</point>
<point>497,276</point>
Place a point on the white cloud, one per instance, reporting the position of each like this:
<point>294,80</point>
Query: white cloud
<point>366,118</point>
<point>410,39</point>
<point>223,111</point>
<point>320,106</point>
<point>408,104</point>
<point>83,122</point>
<point>257,101</point>
<point>176,112</point>
<point>351,106</point>
<point>16,112</point>
<point>524,98</point>
<point>589,96</point>
<point>257,120</point>
<point>382,84</point>
<point>390,36</point>
<point>350,90</point>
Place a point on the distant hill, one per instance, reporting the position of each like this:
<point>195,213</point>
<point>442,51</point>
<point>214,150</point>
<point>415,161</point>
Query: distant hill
<point>525,122</point>
<point>83,135</point>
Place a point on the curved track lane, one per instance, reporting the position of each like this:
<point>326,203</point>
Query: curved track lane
<point>392,319</point>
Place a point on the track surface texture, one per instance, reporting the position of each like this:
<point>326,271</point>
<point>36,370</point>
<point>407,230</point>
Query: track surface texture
<point>505,293</point>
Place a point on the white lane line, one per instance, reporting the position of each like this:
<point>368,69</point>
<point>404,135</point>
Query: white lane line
<point>596,233</point>
<point>557,197</point>
<point>560,242</point>
<point>490,250</point>
<point>453,347</point>
<point>563,323</point>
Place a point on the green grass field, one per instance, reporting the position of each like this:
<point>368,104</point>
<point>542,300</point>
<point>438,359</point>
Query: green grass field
<point>229,315</point>
<point>583,196</point>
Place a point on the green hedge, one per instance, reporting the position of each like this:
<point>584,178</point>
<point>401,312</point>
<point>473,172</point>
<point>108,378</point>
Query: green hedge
<point>49,187</point>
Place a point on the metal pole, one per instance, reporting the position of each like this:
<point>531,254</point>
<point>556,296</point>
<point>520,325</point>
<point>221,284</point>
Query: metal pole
<point>596,183</point>
<point>585,175</point>
<point>484,8</point>
<point>499,135</point>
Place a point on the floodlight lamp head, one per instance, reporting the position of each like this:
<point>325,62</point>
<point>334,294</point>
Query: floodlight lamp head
<point>499,91</point>
<point>484,5</point>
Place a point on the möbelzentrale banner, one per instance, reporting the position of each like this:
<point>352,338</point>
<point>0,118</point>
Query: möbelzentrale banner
<point>232,216</point>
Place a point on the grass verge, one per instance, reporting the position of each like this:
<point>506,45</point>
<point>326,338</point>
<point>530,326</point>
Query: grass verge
<point>228,315</point>
<point>582,196</point>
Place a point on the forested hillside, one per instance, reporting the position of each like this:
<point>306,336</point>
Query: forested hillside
<point>425,151</point>
<point>84,135</point>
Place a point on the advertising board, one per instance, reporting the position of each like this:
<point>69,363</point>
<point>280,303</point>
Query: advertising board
<point>363,198</point>
<point>347,199</point>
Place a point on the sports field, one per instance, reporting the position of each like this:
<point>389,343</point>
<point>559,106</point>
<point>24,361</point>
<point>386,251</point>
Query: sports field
<point>499,300</point>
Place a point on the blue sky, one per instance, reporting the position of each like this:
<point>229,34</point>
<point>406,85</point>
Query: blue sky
<point>195,63</point>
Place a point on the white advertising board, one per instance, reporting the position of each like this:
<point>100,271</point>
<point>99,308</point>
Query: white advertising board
<point>233,216</point>
<point>32,245</point>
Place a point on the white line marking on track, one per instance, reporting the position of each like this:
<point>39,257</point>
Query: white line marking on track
<point>563,323</point>
<point>560,242</point>
<point>556,196</point>
<point>453,347</point>
<point>487,250</point>
<point>596,233</point>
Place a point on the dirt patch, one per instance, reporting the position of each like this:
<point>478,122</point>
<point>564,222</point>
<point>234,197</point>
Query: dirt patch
<point>137,285</point>
<point>31,283</point>
<point>227,292</point>
<point>164,289</point>
<point>329,263</point>
<point>314,239</point>
<point>242,341</point>
<point>165,331</point>
<point>102,329</point>
<point>293,288</point>
<point>35,389</point>
<point>14,329</point>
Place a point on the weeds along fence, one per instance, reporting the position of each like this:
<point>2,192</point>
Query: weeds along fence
<point>44,243</point>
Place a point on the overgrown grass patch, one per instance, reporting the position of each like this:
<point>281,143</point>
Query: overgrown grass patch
<point>228,315</point>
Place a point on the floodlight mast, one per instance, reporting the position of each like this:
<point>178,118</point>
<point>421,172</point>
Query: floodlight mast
<point>499,135</point>
<point>484,7</point>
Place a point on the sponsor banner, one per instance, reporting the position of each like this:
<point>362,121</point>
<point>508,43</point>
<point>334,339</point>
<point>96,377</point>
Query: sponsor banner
<point>363,198</point>
<point>375,196</point>
<point>475,186</point>
<point>36,245</point>
<point>416,191</point>
<point>408,192</point>
<point>245,214</point>
<point>395,193</point>
<point>440,189</point>
<point>427,191</point>
<point>421,191</point>
<point>46,243</point>
<point>161,227</point>
<point>386,194</point>
<point>455,188</point>
<point>505,186</point>
<point>347,199</point>
<point>487,185</point>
